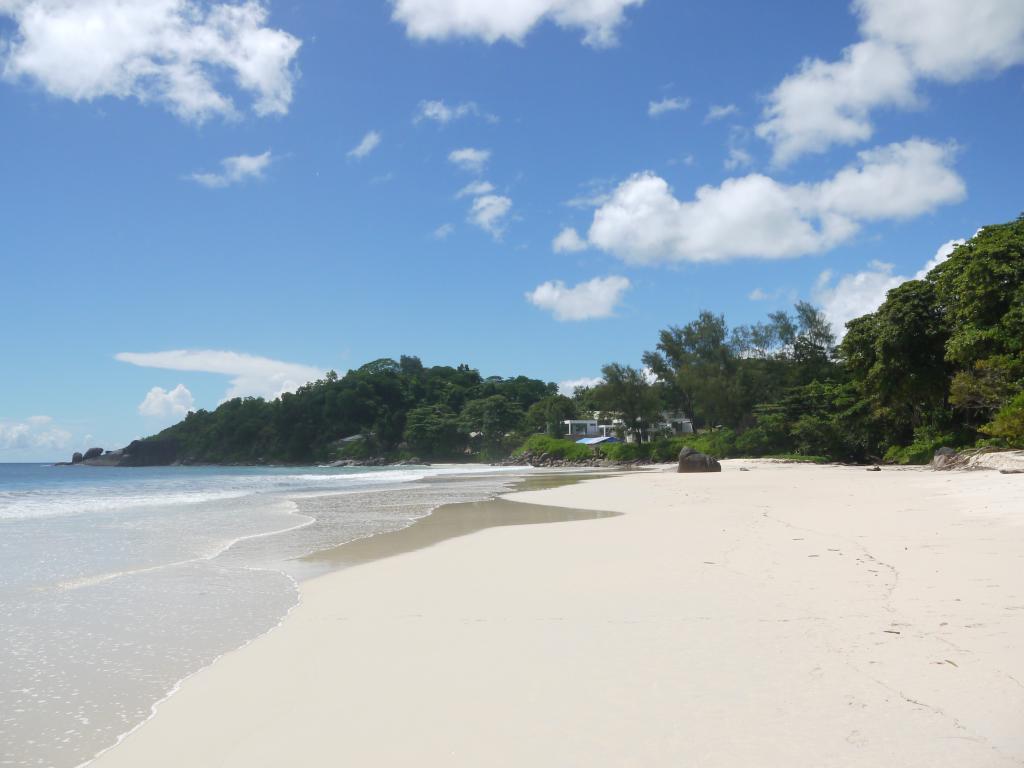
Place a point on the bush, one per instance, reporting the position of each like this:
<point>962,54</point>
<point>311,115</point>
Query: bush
<point>559,449</point>
<point>926,442</point>
<point>1008,425</point>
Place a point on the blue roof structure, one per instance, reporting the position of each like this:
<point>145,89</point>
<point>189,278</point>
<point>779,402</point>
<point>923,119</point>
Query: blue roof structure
<point>597,440</point>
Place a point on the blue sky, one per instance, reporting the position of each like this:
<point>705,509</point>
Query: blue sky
<point>214,199</point>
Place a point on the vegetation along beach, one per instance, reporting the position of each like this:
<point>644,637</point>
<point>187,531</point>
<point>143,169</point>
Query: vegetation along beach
<point>511,383</point>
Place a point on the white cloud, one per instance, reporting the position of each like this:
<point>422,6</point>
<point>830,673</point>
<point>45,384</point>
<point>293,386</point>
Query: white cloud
<point>943,253</point>
<point>758,217</point>
<point>175,52</point>
<point>250,375</point>
<point>656,108</point>
<point>569,386</point>
<point>439,112</point>
<point>236,170</point>
<point>489,213</point>
<point>442,232</point>
<point>593,299</point>
<point>858,294</point>
<point>758,295</point>
<point>738,158</point>
<point>167,404</point>
<point>36,433</point>
<point>904,42</point>
<point>510,19</point>
<point>568,241</point>
<point>720,111</point>
<point>470,159</point>
<point>475,189</point>
<point>369,143</point>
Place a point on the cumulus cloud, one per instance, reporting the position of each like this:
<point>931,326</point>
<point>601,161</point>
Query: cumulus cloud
<point>36,433</point>
<point>179,53</point>
<point>235,170</point>
<point>470,159</point>
<point>593,299</point>
<point>369,143</point>
<point>904,42</point>
<point>857,294</point>
<point>167,404</point>
<point>569,386</point>
<point>720,112</point>
<point>511,19</point>
<point>568,241</point>
<point>475,188</point>
<point>756,216</point>
<point>656,108</point>
<point>250,375</point>
<point>489,212</point>
<point>439,112</point>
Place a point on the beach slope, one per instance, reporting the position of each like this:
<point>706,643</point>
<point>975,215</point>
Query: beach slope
<point>780,616</point>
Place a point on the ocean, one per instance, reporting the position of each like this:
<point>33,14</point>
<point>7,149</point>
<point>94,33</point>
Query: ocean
<point>117,583</point>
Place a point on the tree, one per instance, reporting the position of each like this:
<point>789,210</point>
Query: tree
<point>433,431</point>
<point>494,416</point>
<point>548,414</point>
<point>625,391</point>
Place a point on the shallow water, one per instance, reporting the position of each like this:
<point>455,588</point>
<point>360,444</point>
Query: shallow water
<point>117,583</point>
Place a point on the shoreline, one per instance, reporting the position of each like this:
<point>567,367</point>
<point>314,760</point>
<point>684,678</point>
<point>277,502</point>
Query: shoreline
<point>368,612</point>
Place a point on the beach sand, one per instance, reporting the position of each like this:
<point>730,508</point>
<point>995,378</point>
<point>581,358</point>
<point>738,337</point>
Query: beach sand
<point>786,615</point>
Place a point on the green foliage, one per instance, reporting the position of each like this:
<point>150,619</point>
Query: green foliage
<point>401,408</point>
<point>1008,424</point>
<point>547,414</point>
<point>559,449</point>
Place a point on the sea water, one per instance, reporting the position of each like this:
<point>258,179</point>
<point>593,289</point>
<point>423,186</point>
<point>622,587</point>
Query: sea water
<point>117,583</point>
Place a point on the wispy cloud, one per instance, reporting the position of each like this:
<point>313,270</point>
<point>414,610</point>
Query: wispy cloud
<point>369,143</point>
<point>489,212</point>
<point>250,375</point>
<point>475,189</point>
<point>569,386</point>
<point>470,159</point>
<point>235,171</point>
<point>720,111</point>
<point>444,231</point>
<point>438,111</point>
<point>657,108</point>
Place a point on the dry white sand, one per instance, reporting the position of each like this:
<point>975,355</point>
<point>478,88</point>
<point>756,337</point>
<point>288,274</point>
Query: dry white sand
<point>782,616</point>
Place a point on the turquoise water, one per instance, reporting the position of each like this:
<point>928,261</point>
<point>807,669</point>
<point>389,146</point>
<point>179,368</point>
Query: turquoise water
<point>116,583</point>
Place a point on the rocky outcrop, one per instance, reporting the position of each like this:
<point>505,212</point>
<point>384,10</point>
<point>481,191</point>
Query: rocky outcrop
<point>139,453</point>
<point>532,459</point>
<point>946,458</point>
<point>691,461</point>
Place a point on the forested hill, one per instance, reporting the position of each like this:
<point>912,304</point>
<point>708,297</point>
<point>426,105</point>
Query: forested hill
<point>397,407</point>
<point>940,362</point>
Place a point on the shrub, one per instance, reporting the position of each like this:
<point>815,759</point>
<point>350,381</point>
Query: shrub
<point>926,442</point>
<point>559,449</point>
<point>1008,424</point>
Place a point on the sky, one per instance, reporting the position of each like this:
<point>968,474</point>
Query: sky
<point>203,200</point>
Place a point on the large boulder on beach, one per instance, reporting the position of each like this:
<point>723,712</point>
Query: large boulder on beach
<point>695,461</point>
<point>92,453</point>
<point>77,457</point>
<point>945,458</point>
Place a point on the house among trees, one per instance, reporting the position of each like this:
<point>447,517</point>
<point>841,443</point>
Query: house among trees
<point>668,425</point>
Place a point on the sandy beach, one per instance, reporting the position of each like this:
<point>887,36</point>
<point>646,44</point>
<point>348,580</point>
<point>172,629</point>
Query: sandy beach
<point>770,615</point>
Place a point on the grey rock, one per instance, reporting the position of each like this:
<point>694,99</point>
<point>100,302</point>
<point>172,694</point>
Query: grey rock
<point>945,458</point>
<point>77,457</point>
<point>695,461</point>
<point>92,453</point>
